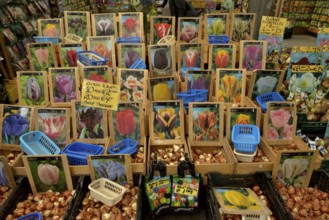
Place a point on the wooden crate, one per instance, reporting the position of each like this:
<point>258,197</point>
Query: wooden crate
<point>18,155</point>
<point>223,168</point>
<point>252,167</point>
<point>302,146</point>
<point>171,169</point>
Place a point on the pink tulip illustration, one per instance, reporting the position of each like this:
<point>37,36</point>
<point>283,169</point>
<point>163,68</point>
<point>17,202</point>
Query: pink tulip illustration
<point>48,174</point>
<point>42,57</point>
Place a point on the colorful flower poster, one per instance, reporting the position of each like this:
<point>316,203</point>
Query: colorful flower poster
<point>230,85</point>
<point>162,60</point>
<point>273,43</point>
<point>166,121</point>
<point>97,73</point>
<point>190,55</point>
<point>132,85</point>
<point>189,30</point>
<point>55,123</point>
<point>252,55</point>
<point>103,46</point>
<point>205,122</point>
<point>48,173</point>
<point>265,81</point>
<point>163,88</point>
<point>322,37</point>
<point>104,24</point>
<point>129,53</point>
<point>64,85</point>
<point>126,122</point>
<point>199,79</point>
<point>281,121</point>
<point>242,26</point>
<point>222,56</point>
<point>131,24</point>
<point>216,25</point>
<point>16,122</point>
<point>42,56</point>
<point>78,23</point>
<point>33,88</point>
<point>294,168</point>
<point>88,122</point>
<point>68,54</point>
<point>116,168</point>
<point>51,28</point>
<point>161,26</point>
<point>306,78</point>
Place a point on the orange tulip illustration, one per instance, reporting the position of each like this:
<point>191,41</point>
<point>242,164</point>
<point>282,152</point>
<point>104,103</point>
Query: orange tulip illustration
<point>204,126</point>
<point>228,83</point>
<point>221,59</point>
<point>102,50</point>
<point>242,119</point>
<point>50,30</point>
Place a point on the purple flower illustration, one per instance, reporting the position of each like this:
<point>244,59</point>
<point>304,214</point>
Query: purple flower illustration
<point>253,58</point>
<point>197,83</point>
<point>13,127</point>
<point>130,57</point>
<point>32,89</point>
<point>64,85</point>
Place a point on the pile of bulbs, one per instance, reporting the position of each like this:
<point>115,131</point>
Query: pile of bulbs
<point>4,193</point>
<point>216,156</point>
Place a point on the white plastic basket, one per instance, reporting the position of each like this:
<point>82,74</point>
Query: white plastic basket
<point>255,217</point>
<point>245,157</point>
<point>106,191</point>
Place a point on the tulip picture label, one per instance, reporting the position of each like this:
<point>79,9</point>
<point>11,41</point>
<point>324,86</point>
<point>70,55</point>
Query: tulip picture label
<point>51,28</point>
<point>68,54</point>
<point>104,46</point>
<point>222,56</point>
<point>252,55</point>
<point>129,53</point>
<point>189,30</point>
<point>103,24</point>
<point>100,95</point>
<point>131,24</point>
<point>78,23</point>
<point>97,73</point>
<point>242,26</point>
<point>48,173</point>
<point>163,88</point>
<point>294,168</point>
<point>161,26</point>
<point>216,25</point>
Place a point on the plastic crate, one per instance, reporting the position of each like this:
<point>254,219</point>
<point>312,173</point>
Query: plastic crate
<point>138,64</point>
<point>106,191</point>
<point>75,209</point>
<point>44,39</point>
<point>126,146</point>
<point>129,40</point>
<point>245,157</point>
<point>31,216</point>
<point>36,142</point>
<point>77,152</point>
<point>72,39</point>
<point>193,95</point>
<point>262,179</point>
<point>319,178</point>
<point>90,58</point>
<point>245,138</point>
<point>221,39</point>
<point>268,97</point>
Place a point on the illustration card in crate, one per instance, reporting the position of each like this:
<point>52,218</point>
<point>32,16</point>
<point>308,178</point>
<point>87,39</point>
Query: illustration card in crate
<point>252,55</point>
<point>104,24</point>
<point>97,73</point>
<point>190,55</point>
<point>104,46</point>
<point>162,88</point>
<point>240,201</point>
<point>41,56</point>
<point>131,24</point>
<point>206,123</point>
<point>161,26</point>
<point>55,123</point>
<point>78,23</point>
<point>129,53</point>
<point>113,167</point>
<point>48,173</point>
<point>17,120</point>
<point>216,24</point>
<point>6,176</point>
<point>294,168</point>
<point>189,29</point>
<point>222,56</point>
<point>68,54</point>
<point>63,86</point>
<point>200,79</point>
<point>242,26</point>
<point>127,122</point>
<point>51,27</point>
<point>166,122</point>
<point>162,60</point>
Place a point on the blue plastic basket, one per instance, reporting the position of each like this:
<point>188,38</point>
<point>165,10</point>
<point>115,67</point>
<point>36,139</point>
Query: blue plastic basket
<point>138,64</point>
<point>129,40</point>
<point>90,58</point>
<point>126,146</point>
<point>268,97</point>
<point>77,152</point>
<point>31,216</point>
<point>245,138</point>
<point>220,39</point>
<point>45,39</point>
<point>36,142</point>
<point>193,95</point>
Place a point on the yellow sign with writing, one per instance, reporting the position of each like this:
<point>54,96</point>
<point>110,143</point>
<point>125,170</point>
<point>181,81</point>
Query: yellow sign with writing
<point>325,48</point>
<point>323,31</point>
<point>272,26</point>
<point>306,49</point>
<point>158,183</point>
<point>185,190</point>
<point>100,95</point>
<point>307,68</point>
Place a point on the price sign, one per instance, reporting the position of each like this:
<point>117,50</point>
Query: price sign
<point>272,26</point>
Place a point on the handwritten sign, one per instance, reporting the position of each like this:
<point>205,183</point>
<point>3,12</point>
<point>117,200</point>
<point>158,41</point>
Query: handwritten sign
<point>100,95</point>
<point>158,183</point>
<point>325,48</point>
<point>272,26</point>
<point>323,31</point>
<point>307,68</point>
<point>306,49</point>
<point>185,190</point>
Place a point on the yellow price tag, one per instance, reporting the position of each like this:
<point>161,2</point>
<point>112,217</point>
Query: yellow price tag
<point>185,190</point>
<point>272,26</point>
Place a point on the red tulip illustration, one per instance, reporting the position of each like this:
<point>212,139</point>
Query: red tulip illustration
<point>125,122</point>
<point>191,57</point>
<point>162,29</point>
